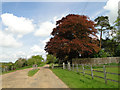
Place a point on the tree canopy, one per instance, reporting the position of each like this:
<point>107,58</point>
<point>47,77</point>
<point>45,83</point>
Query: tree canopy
<point>111,46</point>
<point>51,59</point>
<point>102,22</point>
<point>117,24</point>
<point>73,36</point>
<point>20,63</point>
<point>35,60</point>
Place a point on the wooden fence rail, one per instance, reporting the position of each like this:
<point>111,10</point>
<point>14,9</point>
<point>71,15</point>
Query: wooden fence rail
<point>80,68</point>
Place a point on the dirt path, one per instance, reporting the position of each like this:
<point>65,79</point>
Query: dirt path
<point>44,78</point>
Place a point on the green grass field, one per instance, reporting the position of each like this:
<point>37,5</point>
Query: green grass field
<point>77,80</point>
<point>32,72</point>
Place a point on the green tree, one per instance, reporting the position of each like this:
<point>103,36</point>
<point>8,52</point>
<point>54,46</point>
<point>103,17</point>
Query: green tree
<point>109,45</point>
<point>117,51</point>
<point>30,62</point>
<point>101,54</point>
<point>109,48</point>
<point>35,60</point>
<point>102,23</point>
<point>51,59</point>
<point>117,24</point>
<point>20,63</point>
<point>10,65</point>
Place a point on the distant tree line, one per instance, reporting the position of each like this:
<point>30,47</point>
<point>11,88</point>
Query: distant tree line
<point>22,62</point>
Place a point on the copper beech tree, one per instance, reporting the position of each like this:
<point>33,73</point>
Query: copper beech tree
<point>74,36</point>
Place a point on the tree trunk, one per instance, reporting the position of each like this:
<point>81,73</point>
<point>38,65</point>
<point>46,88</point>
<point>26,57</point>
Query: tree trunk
<point>100,37</point>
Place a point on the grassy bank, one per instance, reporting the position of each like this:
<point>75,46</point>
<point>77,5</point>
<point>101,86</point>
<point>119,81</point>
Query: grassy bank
<point>77,80</point>
<point>32,72</point>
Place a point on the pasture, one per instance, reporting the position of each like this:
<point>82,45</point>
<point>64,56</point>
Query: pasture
<point>75,78</point>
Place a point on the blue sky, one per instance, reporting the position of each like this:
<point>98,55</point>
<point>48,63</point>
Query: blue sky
<point>40,18</point>
<point>46,10</point>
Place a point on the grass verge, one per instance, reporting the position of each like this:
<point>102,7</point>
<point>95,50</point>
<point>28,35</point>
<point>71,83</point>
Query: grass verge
<point>1,73</point>
<point>50,65</point>
<point>32,72</point>
<point>77,80</point>
<point>41,65</point>
<point>16,69</point>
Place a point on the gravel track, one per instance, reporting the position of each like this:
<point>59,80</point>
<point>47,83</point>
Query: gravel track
<point>44,78</point>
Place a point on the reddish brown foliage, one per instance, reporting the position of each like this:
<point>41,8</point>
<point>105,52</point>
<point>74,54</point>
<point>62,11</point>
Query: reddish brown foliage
<point>74,34</point>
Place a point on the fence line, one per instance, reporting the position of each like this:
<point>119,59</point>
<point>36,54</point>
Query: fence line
<point>72,67</point>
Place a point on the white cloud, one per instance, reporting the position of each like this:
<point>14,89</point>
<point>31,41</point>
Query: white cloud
<point>43,42</point>
<point>19,36</point>
<point>46,40</point>
<point>12,56</point>
<point>112,6</point>
<point>37,49</point>
<point>7,40</point>
<point>17,25</point>
<point>97,13</point>
<point>20,54</point>
<point>56,18</point>
<point>8,56</point>
<point>5,58</point>
<point>45,29</point>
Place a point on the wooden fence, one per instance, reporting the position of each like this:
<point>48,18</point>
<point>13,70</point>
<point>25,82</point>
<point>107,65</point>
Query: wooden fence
<point>81,68</point>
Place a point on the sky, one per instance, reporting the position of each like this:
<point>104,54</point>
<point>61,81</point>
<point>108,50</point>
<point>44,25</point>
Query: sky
<point>25,27</point>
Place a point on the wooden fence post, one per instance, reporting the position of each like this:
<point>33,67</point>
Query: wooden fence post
<point>73,67</point>
<point>91,72</point>
<point>77,67</point>
<point>69,66</point>
<point>52,66</point>
<point>63,65</point>
<point>104,74</point>
<point>83,69</point>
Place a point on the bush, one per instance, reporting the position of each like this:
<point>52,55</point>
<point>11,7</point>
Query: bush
<point>35,60</point>
<point>51,59</point>
<point>20,63</point>
<point>101,54</point>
